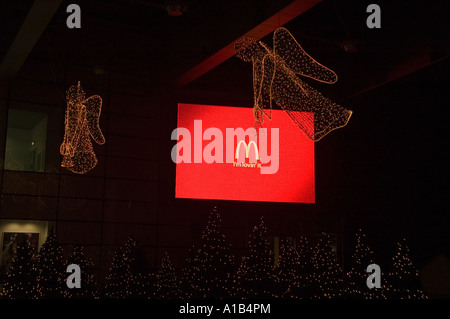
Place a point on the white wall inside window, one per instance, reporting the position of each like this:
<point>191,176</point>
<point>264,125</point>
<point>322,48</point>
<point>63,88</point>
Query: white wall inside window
<point>25,226</point>
<point>26,141</point>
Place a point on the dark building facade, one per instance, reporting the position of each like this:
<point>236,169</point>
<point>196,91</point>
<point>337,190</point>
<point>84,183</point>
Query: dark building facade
<point>369,174</point>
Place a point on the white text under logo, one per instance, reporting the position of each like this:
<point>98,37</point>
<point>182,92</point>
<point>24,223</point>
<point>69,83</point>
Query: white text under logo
<point>253,162</point>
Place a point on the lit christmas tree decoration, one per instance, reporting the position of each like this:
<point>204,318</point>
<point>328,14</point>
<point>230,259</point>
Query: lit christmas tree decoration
<point>306,252</point>
<point>166,280</point>
<point>210,265</point>
<point>256,276</point>
<point>362,257</point>
<point>88,288</point>
<point>329,275</point>
<point>404,281</point>
<point>118,281</point>
<point>139,282</point>
<point>81,124</point>
<point>117,285</point>
<point>128,276</point>
<point>21,279</point>
<point>289,271</point>
<point>51,280</point>
<point>188,285</point>
<point>275,79</point>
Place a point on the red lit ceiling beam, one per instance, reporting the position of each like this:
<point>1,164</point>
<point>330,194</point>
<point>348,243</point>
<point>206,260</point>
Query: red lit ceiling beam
<point>34,25</point>
<point>293,10</point>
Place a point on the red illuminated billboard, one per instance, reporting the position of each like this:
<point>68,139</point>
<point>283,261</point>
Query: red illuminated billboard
<point>221,155</point>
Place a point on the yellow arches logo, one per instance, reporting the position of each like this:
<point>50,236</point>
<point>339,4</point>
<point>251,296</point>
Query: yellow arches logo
<point>239,162</point>
<point>247,149</point>
<point>222,147</point>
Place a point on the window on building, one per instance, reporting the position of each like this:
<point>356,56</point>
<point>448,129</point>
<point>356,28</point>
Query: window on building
<point>25,141</point>
<point>14,232</point>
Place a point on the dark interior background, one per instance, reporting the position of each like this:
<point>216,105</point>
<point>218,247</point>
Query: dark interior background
<point>386,171</point>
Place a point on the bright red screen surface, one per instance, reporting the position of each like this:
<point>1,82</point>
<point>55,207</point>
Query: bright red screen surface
<point>292,182</point>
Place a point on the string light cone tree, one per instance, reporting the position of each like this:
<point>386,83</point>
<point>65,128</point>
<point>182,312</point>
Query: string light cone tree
<point>211,265</point>
<point>329,276</point>
<point>117,284</point>
<point>404,281</point>
<point>188,285</point>
<point>128,276</point>
<point>256,277</point>
<point>306,252</point>
<point>289,271</point>
<point>139,283</point>
<point>362,257</point>
<point>51,280</point>
<point>21,279</point>
<point>166,280</point>
<point>88,288</point>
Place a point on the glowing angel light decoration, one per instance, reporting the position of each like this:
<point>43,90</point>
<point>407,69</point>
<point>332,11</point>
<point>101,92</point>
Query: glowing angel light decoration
<point>81,124</point>
<point>275,79</point>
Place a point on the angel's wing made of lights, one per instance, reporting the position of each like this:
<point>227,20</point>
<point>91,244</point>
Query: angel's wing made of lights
<point>81,124</point>
<point>93,110</point>
<point>286,47</point>
<point>263,77</point>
